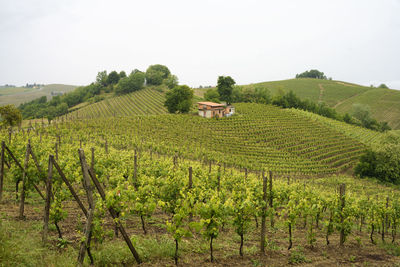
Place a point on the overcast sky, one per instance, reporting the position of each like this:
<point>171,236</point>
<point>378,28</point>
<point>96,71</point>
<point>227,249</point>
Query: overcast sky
<point>48,41</point>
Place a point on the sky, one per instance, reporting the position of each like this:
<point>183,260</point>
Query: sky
<point>69,41</point>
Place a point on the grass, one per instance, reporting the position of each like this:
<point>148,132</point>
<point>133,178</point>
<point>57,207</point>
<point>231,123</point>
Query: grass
<point>21,95</point>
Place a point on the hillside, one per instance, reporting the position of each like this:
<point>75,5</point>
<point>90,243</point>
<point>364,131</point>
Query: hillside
<point>384,104</point>
<point>19,95</point>
<point>259,136</point>
<point>144,102</point>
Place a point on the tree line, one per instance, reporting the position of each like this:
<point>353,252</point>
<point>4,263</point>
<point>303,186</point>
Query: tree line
<point>113,82</point>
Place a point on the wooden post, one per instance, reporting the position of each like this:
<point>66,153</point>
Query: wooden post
<point>271,198</point>
<point>114,216</point>
<point>245,173</point>
<point>106,146</point>
<point>22,198</point>
<point>92,161</point>
<point>9,135</point>
<point>48,195</point>
<point>263,214</point>
<point>219,177</point>
<point>85,244</point>
<point>135,168</point>
<point>2,168</point>
<point>209,170</point>
<point>56,150</point>
<point>190,185</point>
<point>342,193</point>
<point>71,189</point>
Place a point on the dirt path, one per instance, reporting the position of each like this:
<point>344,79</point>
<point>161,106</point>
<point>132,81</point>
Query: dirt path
<point>344,100</point>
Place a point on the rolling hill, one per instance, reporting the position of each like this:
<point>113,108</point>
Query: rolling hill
<point>19,95</point>
<point>144,102</point>
<point>384,104</point>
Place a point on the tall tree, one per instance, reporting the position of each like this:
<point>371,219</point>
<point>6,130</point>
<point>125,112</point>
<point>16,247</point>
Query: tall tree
<point>101,78</point>
<point>179,99</point>
<point>225,88</point>
<point>155,74</point>
<point>113,78</point>
<point>134,82</point>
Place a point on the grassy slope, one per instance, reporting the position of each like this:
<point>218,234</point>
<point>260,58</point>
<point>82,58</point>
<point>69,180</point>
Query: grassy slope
<point>21,95</point>
<point>384,103</point>
<point>144,102</point>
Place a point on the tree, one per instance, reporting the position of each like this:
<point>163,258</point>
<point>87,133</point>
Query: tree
<point>113,78</point>
<point>225,88</point>
<point>316,74</point>
<point>382,85</point>
<point>134,82</point>
<point>179,99</point>
<point>155,74</point>
<point>122,74</point>
<point>212,95</point>
<point>10,115</point>
<point>101,78</point>
<point>171,81</point>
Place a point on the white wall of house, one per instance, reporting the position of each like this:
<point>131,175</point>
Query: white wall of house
<point>208,113</point>
<point>201,113</point>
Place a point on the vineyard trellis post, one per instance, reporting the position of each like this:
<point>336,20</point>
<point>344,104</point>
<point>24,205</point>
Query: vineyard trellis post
<point>190,185</point>
<point>47,205</point>
<point>25,169</point>
<point>342,192</point>
<point>263,213</point>
<point>114,216</point>
<point>2,168</point>
<point>85,244</point>
<point>271,199</point>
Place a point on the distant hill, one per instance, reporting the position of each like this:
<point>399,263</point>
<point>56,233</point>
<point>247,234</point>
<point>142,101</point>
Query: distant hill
<point>384,103</point>
<point>19,95</point>
<point>143,102</point>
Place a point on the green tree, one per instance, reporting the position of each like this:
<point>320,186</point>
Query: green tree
<point>155,74</point>
<point>134,82</point>
<point>10,115</point>
<point>122,74</point>
<point>212,95</point>
<point>225,88</point>
<point>101,78</point>
<point>113,78</point>
<point>171,81</point>
<point>316,74</point>
<point>382,85</point>
<point>179,99</point>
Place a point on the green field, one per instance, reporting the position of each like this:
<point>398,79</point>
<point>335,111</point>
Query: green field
<point>144,102</point>
<point>19,95</point>
<point>182,178</point>
<point>384,104</point>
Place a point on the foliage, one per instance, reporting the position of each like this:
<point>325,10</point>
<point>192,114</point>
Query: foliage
<point>179,99</point>
<point>155,74</point>
<point>382,163</point>
<point>225,88</point>
<point>212,95</point>
<point>134,82</point>
<point>113,78</point>
<point>316,74</point>
<point>101,78</point>
<point>10,115</point>
<point>171,81</point>
<point>382,85</point>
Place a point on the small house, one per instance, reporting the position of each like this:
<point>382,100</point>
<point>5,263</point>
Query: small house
<point>211,110</point>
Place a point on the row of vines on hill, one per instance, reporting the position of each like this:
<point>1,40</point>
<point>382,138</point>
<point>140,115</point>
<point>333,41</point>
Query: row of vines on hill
<point>197,199</point>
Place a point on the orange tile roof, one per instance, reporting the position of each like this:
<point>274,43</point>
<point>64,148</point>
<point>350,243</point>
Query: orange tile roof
<point>211,104</point>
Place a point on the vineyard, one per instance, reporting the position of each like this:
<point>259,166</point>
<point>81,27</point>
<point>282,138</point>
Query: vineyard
<point>144,102</point>
<point>261,136</point>
<point>120,199</point>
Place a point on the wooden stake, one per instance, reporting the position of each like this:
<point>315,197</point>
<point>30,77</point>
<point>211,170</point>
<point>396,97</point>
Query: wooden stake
<point>2,168</point>
<point>263,214</point>
<point>342,192</point>
<point>48,195</point>
<point>22,198</point>
<point>114,216</point>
